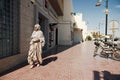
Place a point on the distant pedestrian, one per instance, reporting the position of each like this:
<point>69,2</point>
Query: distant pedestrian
<point>36,44</point>
<point>97,44</point>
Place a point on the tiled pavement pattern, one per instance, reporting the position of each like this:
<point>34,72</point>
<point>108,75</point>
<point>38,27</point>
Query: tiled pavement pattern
<point>74,63</point>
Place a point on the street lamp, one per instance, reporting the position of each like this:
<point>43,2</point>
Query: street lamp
<point>106,13</point>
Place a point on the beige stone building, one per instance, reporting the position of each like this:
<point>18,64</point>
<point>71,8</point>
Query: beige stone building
<point>65,33</point>
<point>80,29</point>
<point>17,18</point>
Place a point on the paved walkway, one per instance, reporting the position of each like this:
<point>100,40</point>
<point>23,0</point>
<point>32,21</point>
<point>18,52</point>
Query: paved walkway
<point>74,63</point>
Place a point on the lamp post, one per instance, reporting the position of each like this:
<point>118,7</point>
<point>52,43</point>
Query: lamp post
<point>106,13</point>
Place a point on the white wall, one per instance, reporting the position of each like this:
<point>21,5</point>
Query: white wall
<point>77,36</point>
<point>81,24</point>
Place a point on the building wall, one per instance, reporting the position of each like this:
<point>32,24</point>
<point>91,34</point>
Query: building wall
<point>81,24</point>
<point>29,14</point>
<point>64,34</point>
<point>26,28</point>
<point>11,61</point>
<point>26,24</point>
<point>61,3</point>
<point>68,9</point>
<point>77,36</point>
<point>65,24</point>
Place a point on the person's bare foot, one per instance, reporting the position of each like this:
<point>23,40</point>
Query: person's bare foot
<point>38,65</point>
<point>31,66</point>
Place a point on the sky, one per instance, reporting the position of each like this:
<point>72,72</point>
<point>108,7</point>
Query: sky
<point>96,15</point>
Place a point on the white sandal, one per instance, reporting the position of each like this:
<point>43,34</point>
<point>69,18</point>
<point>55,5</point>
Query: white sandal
<point>38,65</point>
<point>31,66</point>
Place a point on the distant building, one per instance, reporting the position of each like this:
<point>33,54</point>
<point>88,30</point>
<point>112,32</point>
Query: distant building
<point>94,33</point>
<point>80,28</point>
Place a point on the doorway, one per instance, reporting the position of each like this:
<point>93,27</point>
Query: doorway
<point>56,42</point>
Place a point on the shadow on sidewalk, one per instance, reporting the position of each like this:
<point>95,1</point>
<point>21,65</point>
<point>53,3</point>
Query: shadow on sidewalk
<point>48,60</point>
<point>53,51</point>
<point>14,68</point>
<point>106,57</point>
<point>56,50</point>
<point>105,75</point>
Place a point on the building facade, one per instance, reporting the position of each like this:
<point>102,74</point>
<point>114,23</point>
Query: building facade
<point>17,19</point>
<point>80,28</point>
<point>65,33</point>
<point>9,31</point>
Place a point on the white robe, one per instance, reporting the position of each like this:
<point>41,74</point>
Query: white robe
<point>35,50</point>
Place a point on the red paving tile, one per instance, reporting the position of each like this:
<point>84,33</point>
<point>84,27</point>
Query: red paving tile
<point>74,63</point>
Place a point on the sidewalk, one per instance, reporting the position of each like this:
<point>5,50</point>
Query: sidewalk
<point>70,63</point>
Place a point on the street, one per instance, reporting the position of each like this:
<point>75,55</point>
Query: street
<point>73,63</point>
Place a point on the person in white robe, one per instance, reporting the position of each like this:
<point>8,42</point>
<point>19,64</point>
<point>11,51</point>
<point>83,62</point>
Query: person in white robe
<point>36,44</point>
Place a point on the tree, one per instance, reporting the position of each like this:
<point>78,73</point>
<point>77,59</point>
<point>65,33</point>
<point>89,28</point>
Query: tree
<point>95,35</point>
<point>89,38</point>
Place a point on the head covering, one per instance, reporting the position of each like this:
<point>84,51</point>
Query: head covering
<point>37,26</point>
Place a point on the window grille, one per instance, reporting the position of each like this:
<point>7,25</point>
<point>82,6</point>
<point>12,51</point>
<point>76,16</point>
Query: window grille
<point>9,28</point>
